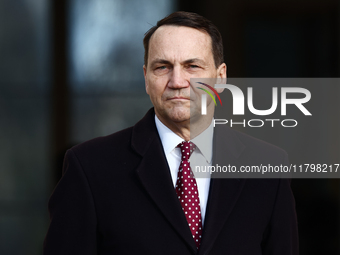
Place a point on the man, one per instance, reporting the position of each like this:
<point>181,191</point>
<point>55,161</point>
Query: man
<point>128,193</point>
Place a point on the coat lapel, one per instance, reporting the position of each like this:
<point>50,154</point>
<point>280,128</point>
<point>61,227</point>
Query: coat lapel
<point>154,174</point>
<point>223,193</point>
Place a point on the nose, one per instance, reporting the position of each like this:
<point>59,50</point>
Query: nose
<point>178,79</point>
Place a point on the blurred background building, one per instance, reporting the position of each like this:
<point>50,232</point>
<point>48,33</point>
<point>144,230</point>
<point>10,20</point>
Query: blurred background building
<point>72,70</point>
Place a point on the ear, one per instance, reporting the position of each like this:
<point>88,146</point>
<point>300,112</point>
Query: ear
<point>221,76</point>
<point>146,83</point>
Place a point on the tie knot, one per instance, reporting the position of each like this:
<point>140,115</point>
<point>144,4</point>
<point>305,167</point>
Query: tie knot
<point>187,149</point>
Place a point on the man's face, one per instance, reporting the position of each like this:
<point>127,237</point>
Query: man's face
<point>176,54</point>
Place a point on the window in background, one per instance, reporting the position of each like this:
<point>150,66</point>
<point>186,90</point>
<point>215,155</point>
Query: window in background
<point>106,59</point>
<point>24,125</point>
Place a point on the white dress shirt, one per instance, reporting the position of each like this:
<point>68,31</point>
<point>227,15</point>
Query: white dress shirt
<point>202,156</point>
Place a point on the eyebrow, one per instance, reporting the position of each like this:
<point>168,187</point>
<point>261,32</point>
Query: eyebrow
<point>194,60</point>
<point>185,62</point>
<point>160,61</point>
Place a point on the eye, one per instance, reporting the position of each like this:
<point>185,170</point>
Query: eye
<point>193,66</point>
<point>161,68</point>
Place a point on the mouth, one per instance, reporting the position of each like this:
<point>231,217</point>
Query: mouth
<point>179,98</point>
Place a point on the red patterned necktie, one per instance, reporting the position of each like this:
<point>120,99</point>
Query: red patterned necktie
<point>187,192</point>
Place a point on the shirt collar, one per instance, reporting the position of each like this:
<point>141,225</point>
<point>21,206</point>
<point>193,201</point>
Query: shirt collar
<point>204,142</point>
<point>170,140</point>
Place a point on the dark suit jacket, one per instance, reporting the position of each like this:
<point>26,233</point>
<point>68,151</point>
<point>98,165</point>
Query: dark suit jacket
<point>116,196</point>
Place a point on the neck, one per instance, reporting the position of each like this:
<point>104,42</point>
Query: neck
<point>190,128</point>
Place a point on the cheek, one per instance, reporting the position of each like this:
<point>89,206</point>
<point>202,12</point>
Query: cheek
<point>196,94</point>
<point>154,92</point>
<point>156,87</point>
<point>150,86</point>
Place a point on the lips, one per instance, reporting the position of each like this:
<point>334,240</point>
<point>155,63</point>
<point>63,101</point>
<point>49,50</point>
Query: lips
<point>178,98</point>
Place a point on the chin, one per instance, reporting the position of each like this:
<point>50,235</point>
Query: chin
<point>179,114</point>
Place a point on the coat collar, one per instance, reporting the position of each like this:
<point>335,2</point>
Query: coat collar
<point>144,133</point>
<point>154,174</point>
<point>224,192</point>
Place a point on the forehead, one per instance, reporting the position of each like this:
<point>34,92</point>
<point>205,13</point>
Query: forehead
<point>180,43</point>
